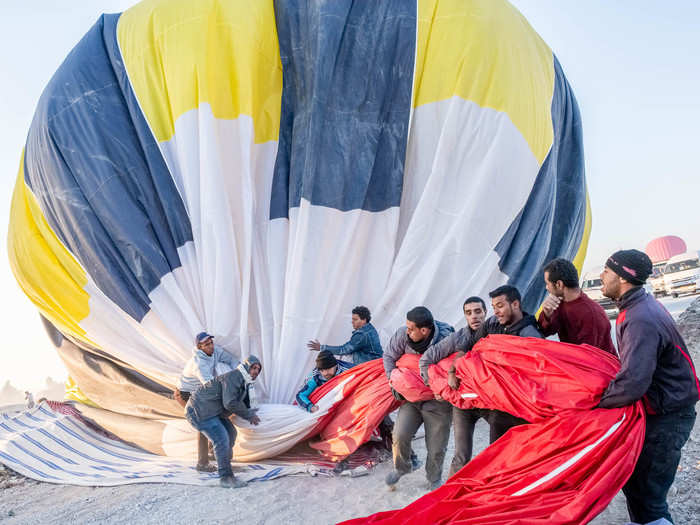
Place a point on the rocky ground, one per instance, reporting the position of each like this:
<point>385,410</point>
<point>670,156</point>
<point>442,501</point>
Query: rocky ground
<point>300,499</point>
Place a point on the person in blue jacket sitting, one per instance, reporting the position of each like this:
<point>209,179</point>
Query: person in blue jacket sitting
<point>364,344</point>
<point>327,367</point>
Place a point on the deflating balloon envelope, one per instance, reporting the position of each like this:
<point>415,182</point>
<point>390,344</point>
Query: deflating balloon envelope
<point>257,169</point>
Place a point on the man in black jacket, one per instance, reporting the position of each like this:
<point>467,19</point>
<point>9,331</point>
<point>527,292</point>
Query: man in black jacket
<point>656,368</point>
<point>209,408</point>
<point>508,319</point>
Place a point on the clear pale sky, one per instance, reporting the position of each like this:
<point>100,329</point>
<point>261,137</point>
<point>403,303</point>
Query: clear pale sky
<point>633,65</point>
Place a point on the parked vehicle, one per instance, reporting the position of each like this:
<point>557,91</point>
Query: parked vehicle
<point>656,281</point>
<point>682,274</point>
<point>592,286</point>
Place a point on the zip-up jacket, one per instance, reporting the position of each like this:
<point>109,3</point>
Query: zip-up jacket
<point>363,346</point>
<point>398,344</point>
<point>656,364</point>
<point>448,346</point>
<point>222,396</point>
<point>465,339</point>
<point>314,381</point>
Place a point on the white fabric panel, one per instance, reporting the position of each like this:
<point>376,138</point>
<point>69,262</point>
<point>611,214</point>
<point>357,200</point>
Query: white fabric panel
<point>454,209</point>
<point>267,287</point>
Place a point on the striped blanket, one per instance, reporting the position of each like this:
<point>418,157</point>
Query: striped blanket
<point>52,443</point>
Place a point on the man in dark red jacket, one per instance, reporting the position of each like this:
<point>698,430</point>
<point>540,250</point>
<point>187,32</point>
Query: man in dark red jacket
<point>656,368</point>
<point>569,312</point>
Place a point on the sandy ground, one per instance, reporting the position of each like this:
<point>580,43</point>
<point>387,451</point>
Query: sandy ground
<point>294,499</point>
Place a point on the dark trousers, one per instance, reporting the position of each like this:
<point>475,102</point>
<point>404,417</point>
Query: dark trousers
<point>202,441</point>
<point>656,467</point>
<point>463,423</point>
<point>222,434</point>
<point>436,416</point>
<point>500,423</point>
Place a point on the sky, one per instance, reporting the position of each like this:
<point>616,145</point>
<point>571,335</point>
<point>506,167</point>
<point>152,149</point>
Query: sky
<point>634,67</point>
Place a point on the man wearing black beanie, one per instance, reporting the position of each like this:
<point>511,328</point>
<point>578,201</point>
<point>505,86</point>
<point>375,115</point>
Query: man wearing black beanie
<point>656,368</point>
<point>327,367</point>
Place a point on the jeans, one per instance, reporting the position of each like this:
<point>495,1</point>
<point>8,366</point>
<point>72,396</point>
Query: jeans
<point>202,441</point>
<point>222,434</point>
<point>656,467</point>
<point>436,417</point>
<point>500,423</point>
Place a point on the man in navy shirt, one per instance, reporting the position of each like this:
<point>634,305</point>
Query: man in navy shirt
<point>364,343</point>
<point>656,368</point>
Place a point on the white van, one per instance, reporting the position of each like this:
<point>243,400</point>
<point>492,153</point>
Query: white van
<point>656,279</point>
<point>682,274</point>
<point>592,285</point>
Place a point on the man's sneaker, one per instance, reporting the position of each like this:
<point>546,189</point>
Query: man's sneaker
<point>432,485</point>
<point>415,462</point>
<point>393,477</point>
<point>231,482</point>
<point>205,468</point>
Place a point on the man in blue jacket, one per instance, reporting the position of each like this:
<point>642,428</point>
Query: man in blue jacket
<point>656,368</point>
<point>327,367</point>
<point>421,331</point>
<point>364,342</point>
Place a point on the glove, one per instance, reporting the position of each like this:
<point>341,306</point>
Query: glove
<point>397,396</point>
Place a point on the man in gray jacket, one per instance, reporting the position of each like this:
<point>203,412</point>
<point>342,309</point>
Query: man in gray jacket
<point>463,421</point>
<point>420,332</point>
<point>209,408</point>
<point>508,319</point>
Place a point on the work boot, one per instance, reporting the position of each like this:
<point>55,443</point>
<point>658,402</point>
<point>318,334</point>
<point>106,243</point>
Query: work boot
<point>232,482</point>
<point>393,477</point>
<point>205,467</point>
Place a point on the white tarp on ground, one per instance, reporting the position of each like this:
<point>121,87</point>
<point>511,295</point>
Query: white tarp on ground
<point>56,447</point>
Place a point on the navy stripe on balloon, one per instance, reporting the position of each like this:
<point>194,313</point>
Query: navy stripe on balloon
<point>101,180</point>
<point>346,101</point>
<point>553,220</point>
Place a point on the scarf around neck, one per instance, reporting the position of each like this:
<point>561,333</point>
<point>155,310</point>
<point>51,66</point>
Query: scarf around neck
<point>249,386</point>
<point>421,346</point>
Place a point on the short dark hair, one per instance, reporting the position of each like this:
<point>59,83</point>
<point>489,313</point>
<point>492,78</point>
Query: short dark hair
<point>562,270</point>
<point>362,312</point>
<point>511,293</point>
<point>421,316</point>
<point>474,299</point>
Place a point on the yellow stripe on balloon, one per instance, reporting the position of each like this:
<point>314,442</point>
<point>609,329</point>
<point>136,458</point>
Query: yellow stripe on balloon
<point>486,52</point>
<point>182,53</point>
<point>45,270</point>
<point>583,247</point>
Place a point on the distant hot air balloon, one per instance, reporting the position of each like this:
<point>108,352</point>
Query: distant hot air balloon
<point>663,248</point>
<point>257,169</point>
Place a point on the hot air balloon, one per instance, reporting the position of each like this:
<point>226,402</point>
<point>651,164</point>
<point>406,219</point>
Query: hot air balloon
<point>256,169</point>
<point>663,248</point>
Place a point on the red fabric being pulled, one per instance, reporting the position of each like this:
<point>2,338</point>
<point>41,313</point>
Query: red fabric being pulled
<point>563,468</point>
<point>366,400</point>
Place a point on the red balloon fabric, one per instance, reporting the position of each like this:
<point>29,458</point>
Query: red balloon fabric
<point>663,248</point>
<point>563,468</point>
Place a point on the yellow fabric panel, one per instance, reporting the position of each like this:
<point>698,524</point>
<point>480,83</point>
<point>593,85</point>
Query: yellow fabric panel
<point>182,53</point>
<point>486,52</point>
<point>73,393</point>
<point>47,273</point>
<point>583,247</point>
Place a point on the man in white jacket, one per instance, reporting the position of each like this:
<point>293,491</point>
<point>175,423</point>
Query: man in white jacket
<point>208,362</point>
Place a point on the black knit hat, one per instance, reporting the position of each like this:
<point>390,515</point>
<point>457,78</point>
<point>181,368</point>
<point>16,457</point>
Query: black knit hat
<point>632,265</point>
<point>325,360</point>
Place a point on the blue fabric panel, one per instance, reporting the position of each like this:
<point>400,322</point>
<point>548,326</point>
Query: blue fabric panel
<point>552,222</point>
<point>346,101</point>
<point>101,181</point>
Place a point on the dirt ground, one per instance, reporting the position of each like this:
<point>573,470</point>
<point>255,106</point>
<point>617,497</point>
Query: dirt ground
<point>294,499</point>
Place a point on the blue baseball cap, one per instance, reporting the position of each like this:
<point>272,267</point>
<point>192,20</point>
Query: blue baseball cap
<point>202,336</point>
